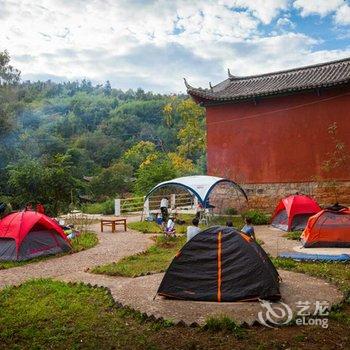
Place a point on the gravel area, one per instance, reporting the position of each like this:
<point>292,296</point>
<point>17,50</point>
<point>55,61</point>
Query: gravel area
<point>111,247</point>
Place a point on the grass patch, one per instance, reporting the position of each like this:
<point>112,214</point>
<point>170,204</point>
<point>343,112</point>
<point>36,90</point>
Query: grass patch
<point>334,272</point>
<point>145,226</point>
<point>84,241</point>
<point>224,324</point>
<point>44,314</point>
<point>105,208</point>
<point>152,227</point>
<point>257,217</point>
<point>155,259</point>
<point>294,235</point>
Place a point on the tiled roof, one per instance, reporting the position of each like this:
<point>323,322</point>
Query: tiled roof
<point>282,82</point>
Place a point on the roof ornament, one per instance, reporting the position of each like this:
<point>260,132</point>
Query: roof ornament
<point>188,86</point>
<point>229,74</point>
<point>211,87</point>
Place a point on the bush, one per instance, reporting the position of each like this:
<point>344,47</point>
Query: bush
<point>105,208</point>
<point>231,211</point>
<point>257,217</point>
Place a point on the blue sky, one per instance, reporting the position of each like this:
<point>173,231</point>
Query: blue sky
<point>154,44</point>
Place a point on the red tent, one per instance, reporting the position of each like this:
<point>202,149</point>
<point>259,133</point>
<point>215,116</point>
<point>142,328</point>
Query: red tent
<point>28,234</point>
<point>292,212</point>
<point>328,228</point>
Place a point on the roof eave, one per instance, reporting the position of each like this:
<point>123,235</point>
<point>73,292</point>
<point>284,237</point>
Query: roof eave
<point>206,99</point>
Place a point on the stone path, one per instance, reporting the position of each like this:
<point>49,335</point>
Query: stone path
<point>274,242</point>
<point>138,293</point>
<point>111,247</point>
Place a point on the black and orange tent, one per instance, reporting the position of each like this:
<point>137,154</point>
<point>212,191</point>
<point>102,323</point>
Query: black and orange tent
<point>292,212</point>
<point>328,228</point>
<point>221,264</point>
<point>28,234</point>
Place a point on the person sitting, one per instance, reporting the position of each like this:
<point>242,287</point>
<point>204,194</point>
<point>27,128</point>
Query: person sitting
<point>193,230</point>
<point>229,223</point>
<point>248,228</point>
<point>164,203</point>
<point>170,227</point>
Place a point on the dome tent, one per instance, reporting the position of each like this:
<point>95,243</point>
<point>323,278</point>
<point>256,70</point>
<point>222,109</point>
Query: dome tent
<point>28,234</point>
<point>292,212</point>
<point>199,185</point>
<point>328,228</point>
<point>221,264</point>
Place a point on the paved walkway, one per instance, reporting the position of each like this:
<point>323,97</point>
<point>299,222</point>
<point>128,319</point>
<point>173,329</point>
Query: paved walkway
<point>138,293</point>
<point>111,247</point>
<point>274,242</point>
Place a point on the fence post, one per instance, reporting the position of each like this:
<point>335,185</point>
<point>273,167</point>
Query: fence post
<point>146,207</point>
<point>172,200</point>
<point>195,201</point>
<point>117,207</point>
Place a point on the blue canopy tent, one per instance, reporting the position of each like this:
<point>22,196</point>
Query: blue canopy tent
<point>199,185</point>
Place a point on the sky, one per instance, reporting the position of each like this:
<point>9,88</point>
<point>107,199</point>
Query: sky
<point>154,44</point>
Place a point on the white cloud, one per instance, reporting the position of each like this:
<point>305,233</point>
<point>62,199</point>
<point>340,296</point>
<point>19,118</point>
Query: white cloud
<point>342,15</point>
<point>264,10</point>
<point>154,43</point>
<point>318,7</point>
<point>285,22</point>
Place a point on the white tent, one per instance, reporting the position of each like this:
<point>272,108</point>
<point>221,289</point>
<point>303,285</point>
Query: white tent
<point>198,185</point>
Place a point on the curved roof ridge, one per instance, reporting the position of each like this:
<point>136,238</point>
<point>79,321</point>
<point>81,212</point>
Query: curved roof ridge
<point>279,72</point>
<point>306,78</point>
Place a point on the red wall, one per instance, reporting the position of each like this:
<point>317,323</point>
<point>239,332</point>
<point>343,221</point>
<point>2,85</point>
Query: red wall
<point>281,139</point>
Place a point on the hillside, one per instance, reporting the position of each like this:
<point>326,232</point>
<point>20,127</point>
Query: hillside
<point>55,136</point>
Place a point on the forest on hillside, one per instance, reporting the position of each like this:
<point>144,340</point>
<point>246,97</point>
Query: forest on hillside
<point>63,144</point>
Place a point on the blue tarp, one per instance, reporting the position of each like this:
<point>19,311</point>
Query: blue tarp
<point>315,257</point>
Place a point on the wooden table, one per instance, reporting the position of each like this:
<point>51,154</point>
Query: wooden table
<point>113,223</point>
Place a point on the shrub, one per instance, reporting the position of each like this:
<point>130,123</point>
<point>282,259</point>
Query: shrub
<point>105,208</point>
<point>231,211</point>
<point>257,217</point>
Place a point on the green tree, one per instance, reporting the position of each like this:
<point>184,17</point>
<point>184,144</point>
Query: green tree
<point>49,182</point>
<point>112,181</point>
<point>138,153</point>
<point>8,76</point>
<point>191,131</point>
<point>152,173</point>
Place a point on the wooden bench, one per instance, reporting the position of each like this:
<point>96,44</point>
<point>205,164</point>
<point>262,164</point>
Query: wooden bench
<point>113,223</point>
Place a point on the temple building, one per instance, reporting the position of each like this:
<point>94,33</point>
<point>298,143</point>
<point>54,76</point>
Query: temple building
<point>279,132</point>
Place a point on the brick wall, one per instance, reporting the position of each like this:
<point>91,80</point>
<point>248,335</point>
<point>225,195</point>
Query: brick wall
<point>266,196</point>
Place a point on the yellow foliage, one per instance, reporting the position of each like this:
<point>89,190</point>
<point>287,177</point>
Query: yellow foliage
<point>148,160</point>
<point>181,164</point>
